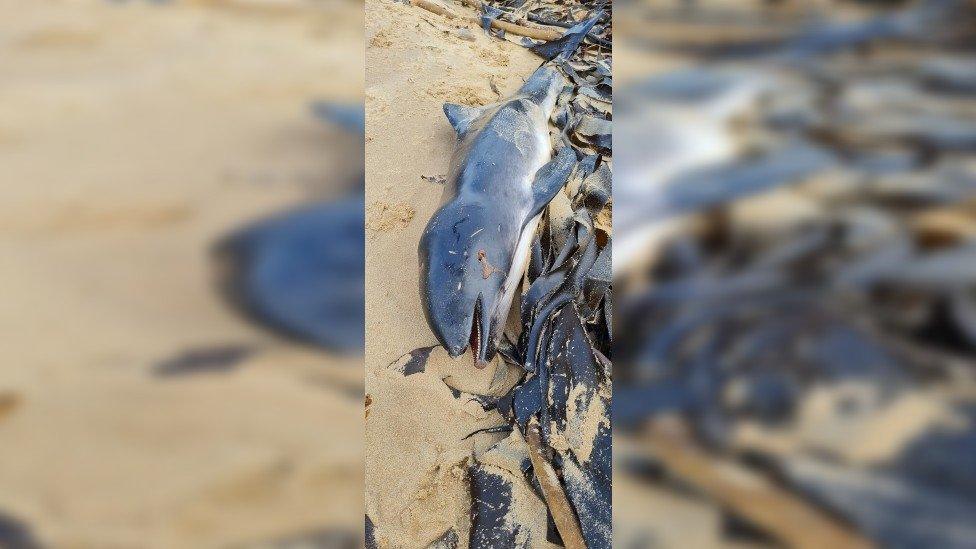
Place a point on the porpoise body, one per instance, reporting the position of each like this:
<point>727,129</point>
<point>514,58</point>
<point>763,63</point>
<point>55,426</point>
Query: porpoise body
<point>475,249</point>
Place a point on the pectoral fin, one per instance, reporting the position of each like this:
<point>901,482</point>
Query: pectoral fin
<point>461,116</point>
<point>551,177</point>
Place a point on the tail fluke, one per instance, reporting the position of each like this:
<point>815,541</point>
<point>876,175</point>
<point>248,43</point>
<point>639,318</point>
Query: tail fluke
<point>566,45</point>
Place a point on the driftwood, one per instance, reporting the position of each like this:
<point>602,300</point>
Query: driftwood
<point>534,33</point>
<point>782,515</point>
<point>543,32</point>
<point>530,32</point>
<point>559,506</point>
<point>434,7</point>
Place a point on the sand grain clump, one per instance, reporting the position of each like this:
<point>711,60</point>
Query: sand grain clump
<point>381,216</point>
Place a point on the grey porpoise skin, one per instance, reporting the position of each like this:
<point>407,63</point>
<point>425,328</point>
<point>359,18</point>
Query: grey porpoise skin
<point>474,250</point>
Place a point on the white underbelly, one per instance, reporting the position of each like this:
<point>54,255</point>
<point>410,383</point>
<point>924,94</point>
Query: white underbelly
<point>520,261</point>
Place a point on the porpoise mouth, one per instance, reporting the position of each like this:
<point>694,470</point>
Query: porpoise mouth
<point>476,336</point>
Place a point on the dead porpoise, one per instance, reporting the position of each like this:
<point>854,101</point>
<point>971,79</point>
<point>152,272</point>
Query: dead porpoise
<point>475,248</point>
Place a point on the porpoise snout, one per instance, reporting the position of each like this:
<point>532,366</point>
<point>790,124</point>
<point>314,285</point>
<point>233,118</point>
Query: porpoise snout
<point>462,273</point>
<point>459,330</point>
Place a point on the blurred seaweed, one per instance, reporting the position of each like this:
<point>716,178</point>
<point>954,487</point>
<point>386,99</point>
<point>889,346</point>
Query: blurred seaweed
<point>795,273</point>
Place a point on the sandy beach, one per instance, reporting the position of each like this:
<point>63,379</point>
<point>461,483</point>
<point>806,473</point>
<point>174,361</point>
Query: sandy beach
<point>416,484</point>
<point>132,136</point>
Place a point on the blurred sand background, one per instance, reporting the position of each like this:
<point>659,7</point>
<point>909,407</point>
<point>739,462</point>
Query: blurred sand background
<point>132,136</point>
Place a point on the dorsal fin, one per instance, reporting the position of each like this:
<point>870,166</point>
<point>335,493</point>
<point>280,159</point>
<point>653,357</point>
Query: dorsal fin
<point>461,116</point>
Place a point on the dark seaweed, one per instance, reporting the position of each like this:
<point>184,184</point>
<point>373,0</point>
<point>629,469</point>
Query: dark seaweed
<point>370,541</point>
<point>574,363</point>
<point>491,502</point>
<point>449,540</point>
<point>488,15</point>
<point>563,354</point>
